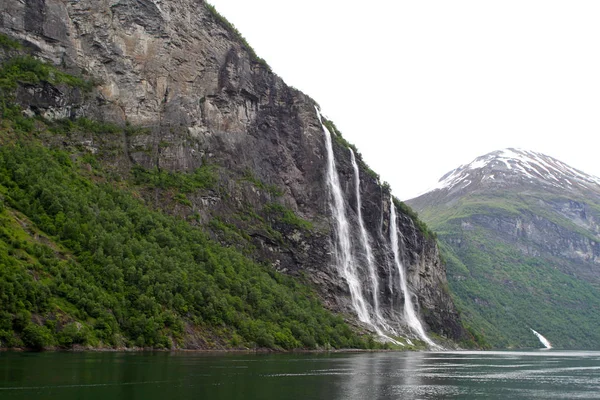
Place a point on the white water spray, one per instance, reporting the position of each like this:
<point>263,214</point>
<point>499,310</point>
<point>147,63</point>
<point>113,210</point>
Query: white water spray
<point>366,245</point>
<point>543,340</point>
<point>343,248</point>
<point>409,310</point>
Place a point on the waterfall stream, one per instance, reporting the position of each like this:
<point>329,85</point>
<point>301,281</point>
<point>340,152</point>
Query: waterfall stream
<point>542,339</point>
<point>409,310</point>
<point>348,265</point>
<point>366,246</point>
<point>344,258</point>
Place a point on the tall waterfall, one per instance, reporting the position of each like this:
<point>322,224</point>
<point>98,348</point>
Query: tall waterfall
<point>366,245</point>
<point>343,247</point>
<point>543,340</point>
<point>347,264</point>
<point>409,310</point>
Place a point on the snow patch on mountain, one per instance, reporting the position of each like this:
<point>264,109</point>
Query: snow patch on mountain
<point>520,165</point>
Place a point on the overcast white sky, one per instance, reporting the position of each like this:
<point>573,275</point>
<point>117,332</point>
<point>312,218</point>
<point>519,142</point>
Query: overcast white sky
<point>423,86</point>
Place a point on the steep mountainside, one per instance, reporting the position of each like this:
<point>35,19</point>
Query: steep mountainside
<point>168,100</point>
<point>521,236</point>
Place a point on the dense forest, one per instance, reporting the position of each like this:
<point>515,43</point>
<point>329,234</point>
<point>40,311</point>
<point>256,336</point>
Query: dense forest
<point>86,260</point>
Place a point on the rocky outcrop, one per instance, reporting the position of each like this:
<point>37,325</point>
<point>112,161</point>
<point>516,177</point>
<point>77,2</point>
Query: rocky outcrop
<point>576,250</point>
<point>177,70</point>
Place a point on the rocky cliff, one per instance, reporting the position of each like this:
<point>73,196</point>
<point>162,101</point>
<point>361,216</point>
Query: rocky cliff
<point>195,95</point>
<point>521,235</point>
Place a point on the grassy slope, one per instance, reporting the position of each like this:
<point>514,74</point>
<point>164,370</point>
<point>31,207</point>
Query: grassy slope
<point>87,259</point>
<point>84,261</point>
<point>501,292</point>
<point>83,255</point>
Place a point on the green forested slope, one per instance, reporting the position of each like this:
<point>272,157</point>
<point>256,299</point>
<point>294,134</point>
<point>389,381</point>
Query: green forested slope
<point>500,290</point>
<point>85,262</point>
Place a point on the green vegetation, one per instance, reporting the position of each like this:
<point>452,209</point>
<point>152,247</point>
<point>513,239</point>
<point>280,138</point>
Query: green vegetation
<point>27,69</point>
<point>8,43</point>
<point>337,136</point>
<point>421,226</point>
<point>285,215</point>
<point>70,126</point>
<point>502,293</point>
<point>233,30</point>
<point>85,263</point>
<point>204,177</point>
<point>274,190</point>
<point>500,290</point>
<point>230,233</point>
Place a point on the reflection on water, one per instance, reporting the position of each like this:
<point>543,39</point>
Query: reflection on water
<point>377,376</point>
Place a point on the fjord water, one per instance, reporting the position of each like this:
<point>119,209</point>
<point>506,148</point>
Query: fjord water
<point>347,376</point>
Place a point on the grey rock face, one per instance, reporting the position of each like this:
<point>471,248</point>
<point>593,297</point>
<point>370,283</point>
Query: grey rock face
<point>553,209</point>
<point>575,250</point>
<point>175,69</point>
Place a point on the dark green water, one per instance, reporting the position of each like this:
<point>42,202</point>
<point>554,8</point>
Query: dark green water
<point>426,375</point>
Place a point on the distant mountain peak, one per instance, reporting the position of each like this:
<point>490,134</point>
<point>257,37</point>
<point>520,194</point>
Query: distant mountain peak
<point>510,167</point>
<point>520,232</point>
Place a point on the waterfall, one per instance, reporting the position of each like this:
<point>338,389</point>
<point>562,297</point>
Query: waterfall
<point>409,310</point>
<point>366,245</point>
<point>347,263</point>
<point>543,340</point>
<point>344,258</point>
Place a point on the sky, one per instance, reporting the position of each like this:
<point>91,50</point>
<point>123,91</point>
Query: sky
<point>423,86</point>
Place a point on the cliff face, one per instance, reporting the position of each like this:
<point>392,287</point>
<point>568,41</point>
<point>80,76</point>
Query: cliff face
<point>177,70</point>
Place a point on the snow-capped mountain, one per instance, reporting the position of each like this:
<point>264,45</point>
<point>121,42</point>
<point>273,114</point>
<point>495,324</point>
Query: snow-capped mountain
<point>521,235</point>
<point>511,167</point>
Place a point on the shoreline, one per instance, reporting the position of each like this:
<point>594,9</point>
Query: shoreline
<point>204,351</point>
